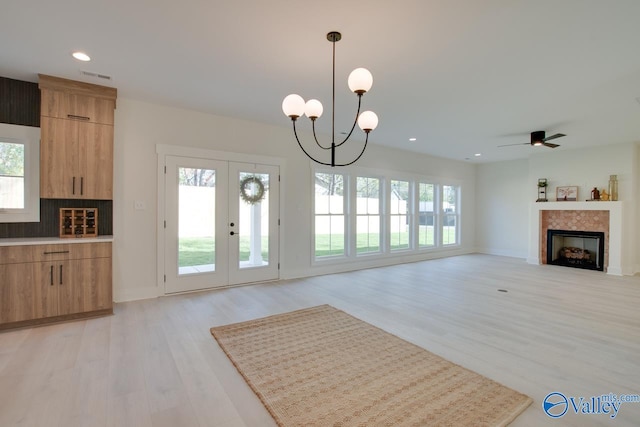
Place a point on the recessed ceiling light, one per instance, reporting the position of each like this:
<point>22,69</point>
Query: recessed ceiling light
<point>81,56</point>
<point>478,154</point>
<point>413,139</point>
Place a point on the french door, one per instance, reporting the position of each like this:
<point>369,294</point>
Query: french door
<point>222,223</point>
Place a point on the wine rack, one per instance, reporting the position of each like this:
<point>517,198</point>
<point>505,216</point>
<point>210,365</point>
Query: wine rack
<point>78,222</point>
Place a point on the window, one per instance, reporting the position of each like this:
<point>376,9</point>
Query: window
<point>19,173</point>
<point>426,215</point>
<point>367,215</point>
<point>329,215</point>
<point>399,215</point>
<point>378,214</point>
<point>450,215</point>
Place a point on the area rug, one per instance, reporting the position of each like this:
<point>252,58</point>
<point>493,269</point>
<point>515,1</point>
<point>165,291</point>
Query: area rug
<point>323,367</point>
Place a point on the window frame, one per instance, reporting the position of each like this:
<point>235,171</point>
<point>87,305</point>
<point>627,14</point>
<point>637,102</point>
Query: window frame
<point>29,137</point>
<point>350,176</point>
<point>345,214</point>
<point>381,214</point>
<point>444,215</point>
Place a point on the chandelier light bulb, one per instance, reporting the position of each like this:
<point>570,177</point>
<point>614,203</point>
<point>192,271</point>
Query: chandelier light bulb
<point>293,106</point>
<point>313,109</point>
<point>360,80</point>
<point>368,121</point>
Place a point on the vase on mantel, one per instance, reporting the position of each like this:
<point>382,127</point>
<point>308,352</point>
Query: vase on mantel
<point>613,187</point>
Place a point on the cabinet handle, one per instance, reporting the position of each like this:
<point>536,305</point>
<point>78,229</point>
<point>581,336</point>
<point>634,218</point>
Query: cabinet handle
<point>61,274</point>
<point>56,252</point>
<point>51,272</point>
<point>73,189</point>
<point>82,185</point>
<point>73,116</point>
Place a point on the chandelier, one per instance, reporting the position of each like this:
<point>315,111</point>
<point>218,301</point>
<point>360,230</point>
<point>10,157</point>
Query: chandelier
<point>360,81</point>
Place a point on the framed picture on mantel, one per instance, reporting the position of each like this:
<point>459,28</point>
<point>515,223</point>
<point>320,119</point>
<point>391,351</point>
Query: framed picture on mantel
<point>566,194</point>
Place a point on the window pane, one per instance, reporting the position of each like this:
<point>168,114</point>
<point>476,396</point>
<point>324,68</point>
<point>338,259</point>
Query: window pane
<point>450,219</point>
<point>449,199</point>
<point>11,175</point>
<point>399,197</point>
<point>399,217</point>
<point>449,230</point>
<point>330,218</point>
<point>329,239</point>
<point>253,224</point>
<point>329,193</point>
<point>368,195</point>
<point>368,234</point>
<point>368,218</point>
<point>196,220</point>
<point>426,220</point>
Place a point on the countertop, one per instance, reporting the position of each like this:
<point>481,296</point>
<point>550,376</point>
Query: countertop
<point>21,241</point>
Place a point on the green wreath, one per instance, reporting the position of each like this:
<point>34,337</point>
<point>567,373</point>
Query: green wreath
<point>250,197</point>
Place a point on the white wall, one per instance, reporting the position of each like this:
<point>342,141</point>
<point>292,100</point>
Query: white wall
<point>503,198</point>
<point>517,180</point>
<point>141,126</point>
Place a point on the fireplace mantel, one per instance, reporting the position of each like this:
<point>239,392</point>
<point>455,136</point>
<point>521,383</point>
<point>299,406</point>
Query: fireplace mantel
<point>615,228</point>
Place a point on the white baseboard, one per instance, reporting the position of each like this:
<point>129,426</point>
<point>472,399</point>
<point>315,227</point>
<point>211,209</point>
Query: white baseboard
<point>124,295</point>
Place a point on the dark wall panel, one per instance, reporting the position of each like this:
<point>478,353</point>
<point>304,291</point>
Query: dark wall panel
<point>50,219</point>
<point>19,102</point>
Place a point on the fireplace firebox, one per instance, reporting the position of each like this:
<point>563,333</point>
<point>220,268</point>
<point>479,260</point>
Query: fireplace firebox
<point>579,249</point>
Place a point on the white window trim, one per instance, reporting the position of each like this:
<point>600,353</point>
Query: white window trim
<point>30,137</point>
<point>386,176</point>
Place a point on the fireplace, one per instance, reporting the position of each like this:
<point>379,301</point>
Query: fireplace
<point>579,249</point>
<point>605,217</point>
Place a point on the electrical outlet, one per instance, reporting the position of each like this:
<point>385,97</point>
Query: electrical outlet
<point>140,205</point>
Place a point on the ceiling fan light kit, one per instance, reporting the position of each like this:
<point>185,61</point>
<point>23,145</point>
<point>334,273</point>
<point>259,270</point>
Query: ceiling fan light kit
<point>360,81</point>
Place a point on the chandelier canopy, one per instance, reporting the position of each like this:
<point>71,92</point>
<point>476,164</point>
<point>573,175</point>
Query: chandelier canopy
<point>360,81</point>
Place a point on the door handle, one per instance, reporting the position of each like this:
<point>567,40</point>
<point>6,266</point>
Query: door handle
<point>61,274</point>
<point>82,185</point>
<point>51,272</point>
<point>232,233</point>
<point>73,188</point>
<point>232,224</point>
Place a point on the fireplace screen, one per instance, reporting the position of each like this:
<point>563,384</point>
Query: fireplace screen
<point>580,249</point>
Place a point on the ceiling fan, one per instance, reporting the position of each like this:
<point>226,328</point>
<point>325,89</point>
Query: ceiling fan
<point>538,138</point>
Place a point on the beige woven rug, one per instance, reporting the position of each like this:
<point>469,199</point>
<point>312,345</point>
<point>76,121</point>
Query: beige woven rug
<point>322,367</point>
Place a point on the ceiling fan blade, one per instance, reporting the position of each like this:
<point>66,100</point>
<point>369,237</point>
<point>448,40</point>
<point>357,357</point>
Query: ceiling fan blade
<point>548,144</point>
<point>510,145</point>
<point>557,135</point>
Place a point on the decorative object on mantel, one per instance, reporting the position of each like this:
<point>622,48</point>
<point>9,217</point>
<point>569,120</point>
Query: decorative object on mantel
<point>613,188</point>
<point>542,190</point>
<point>604,196</point>
<point>360,81</point>
<point>567,194</point>
<point>595,194</point>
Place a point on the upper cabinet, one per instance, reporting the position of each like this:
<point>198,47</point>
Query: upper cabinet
<point>64,105</point>
<point>76,148</point>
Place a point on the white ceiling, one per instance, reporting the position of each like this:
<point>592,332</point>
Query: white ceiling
<point>461,76</point>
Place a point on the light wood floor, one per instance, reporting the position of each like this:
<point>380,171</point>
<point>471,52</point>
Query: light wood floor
<point>154,363</point>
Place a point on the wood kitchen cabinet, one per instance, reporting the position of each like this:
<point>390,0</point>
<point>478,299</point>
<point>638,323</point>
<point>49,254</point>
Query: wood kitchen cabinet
<point>76,160</point>
<point>76,148</point>
<point>54,282</point>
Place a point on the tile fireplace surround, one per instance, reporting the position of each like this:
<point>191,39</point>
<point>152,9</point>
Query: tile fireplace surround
<point>583,216</point>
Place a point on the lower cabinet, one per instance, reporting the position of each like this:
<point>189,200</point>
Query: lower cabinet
<point>42,283</point>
